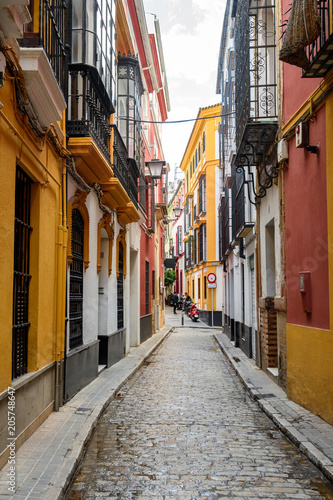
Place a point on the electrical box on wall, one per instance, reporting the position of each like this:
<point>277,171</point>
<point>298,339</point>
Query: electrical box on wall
<point>305,289</point>
<point>302,135</point>
<point>282,150</point>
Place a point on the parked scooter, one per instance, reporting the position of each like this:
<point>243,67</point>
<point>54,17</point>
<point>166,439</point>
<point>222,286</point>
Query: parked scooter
<point>194,312</point>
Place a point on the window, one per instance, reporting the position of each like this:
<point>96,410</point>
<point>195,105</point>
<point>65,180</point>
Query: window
<point>181,282</point>
<point>202,194</point>
<point>199,288</point>
<point>205,287</point>
<point>202,243</point>
<point>147,287</point>
<point>270,259</point>
<point>195,247</point>
<point>76,281</point>
<point>93,38</point>
<point>153,284</point>
<point>22,277</point>
<point>203,142</point>
<point>199,151</point>
<point>120,288</point>
<point>193,289</point>
<point>179,240</point>
<point>130,90</point>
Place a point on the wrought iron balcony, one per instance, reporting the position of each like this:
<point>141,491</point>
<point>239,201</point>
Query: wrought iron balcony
<point>125,169</point>
<point>89,107</point>
<point>51,37</point>
<point>255,80</point>
<point>320,53</point>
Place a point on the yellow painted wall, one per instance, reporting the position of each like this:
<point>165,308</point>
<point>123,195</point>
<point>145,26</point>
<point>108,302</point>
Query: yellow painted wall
<point>310,369</point>
<point>207,166</point>
<point>44,301</point>
<point>309,350</point>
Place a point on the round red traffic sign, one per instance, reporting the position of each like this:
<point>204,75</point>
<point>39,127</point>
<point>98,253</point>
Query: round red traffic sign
<point>211,278</point>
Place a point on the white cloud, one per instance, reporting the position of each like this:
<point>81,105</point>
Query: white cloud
<point>191,32</point>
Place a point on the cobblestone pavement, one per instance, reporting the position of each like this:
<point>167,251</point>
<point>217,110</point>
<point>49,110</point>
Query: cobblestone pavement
<point>183,427</point>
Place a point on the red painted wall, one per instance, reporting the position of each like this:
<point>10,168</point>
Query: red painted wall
<point>306,226</point>
<point>146,254</point>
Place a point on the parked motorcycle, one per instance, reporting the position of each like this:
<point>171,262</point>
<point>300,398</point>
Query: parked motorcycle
<point>194,312</point>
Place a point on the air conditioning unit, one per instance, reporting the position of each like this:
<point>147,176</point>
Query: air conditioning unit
<point>282,150</point>
<point>302,135</point>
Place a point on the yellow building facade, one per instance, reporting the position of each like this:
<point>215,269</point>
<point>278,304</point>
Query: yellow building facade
<point>200,165</point>
<point>33,240</point>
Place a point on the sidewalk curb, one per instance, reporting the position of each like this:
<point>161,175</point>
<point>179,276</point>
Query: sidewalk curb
<point>319,459</point>
<point>65,473</point>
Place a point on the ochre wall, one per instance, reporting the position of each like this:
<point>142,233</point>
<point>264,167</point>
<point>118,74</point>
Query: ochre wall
<point>310,369</point>
<point>45,206</point>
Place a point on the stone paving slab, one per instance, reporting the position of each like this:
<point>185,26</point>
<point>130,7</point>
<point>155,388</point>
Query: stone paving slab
<point>46,462</point>
<point>310,433</point>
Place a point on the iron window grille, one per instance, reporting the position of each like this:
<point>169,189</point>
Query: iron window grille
<point>147,287</point>
<point>201,242</point>
<point>153,284</point>
<point>195,247</point>
<point>76,282</point>
<point>22,277</point>
<point>120,289</point>
<point>150,208</point>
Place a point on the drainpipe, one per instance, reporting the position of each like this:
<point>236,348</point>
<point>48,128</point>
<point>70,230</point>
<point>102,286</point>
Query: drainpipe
<point>61,285</point>
<point>258,284</point>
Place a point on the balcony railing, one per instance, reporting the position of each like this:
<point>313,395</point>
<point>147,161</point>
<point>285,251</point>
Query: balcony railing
<point>51,37</point>
<point>89,107</point>
<point>255,62</point>
<point>320,53</point>
<point>125,169</point>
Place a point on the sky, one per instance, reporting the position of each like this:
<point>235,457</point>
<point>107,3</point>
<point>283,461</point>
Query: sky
<point>191,33</point>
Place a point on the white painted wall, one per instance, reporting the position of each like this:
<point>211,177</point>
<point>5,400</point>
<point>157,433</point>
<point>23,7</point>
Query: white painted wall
<point>134,284</point>
<point>269,212</point>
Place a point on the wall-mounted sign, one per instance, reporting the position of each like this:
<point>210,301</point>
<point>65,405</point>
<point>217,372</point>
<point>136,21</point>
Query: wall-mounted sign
<point>211,278</point>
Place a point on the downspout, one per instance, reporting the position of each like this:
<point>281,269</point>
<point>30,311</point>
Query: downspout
<point>61,285</point>
<point>258,284</point>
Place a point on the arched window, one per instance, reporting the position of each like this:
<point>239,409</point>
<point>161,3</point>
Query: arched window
<point>120,288</point>
<point>76,281</point>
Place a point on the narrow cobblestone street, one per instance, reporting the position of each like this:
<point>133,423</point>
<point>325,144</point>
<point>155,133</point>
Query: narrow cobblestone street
<point>183,427</point>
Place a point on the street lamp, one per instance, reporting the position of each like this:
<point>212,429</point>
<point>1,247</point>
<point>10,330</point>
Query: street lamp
<point>177,211</point>
<point>155,168</point>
